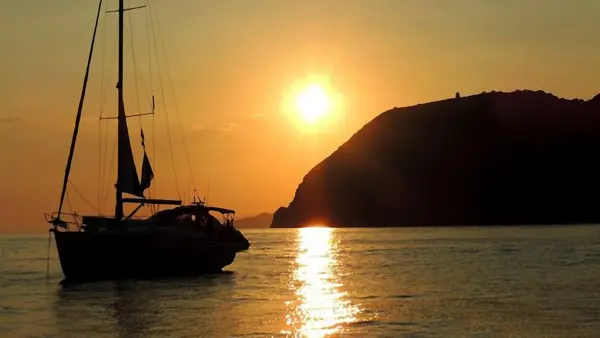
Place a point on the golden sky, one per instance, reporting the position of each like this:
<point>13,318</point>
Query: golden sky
<point>232,65</point>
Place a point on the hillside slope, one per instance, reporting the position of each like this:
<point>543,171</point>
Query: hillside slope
<point>495,158</point>
<point>255,222</point>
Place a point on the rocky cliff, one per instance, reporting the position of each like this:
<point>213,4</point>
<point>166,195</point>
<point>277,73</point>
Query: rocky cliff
<point>495,158</point>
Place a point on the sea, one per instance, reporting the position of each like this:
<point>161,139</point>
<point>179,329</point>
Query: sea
<point>324,282</point>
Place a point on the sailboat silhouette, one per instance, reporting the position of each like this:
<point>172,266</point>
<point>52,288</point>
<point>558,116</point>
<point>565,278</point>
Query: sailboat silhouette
<point>186,239</point>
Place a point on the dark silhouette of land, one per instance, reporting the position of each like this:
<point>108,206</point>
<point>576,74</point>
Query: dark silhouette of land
<point>490,159</point>
<point>255,222</point>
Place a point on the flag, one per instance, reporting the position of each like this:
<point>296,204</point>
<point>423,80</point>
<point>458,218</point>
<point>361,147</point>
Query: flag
<point>147,173</point>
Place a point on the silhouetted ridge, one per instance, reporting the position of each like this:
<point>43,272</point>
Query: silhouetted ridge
<point>262,220</point>
<point>526,157</point>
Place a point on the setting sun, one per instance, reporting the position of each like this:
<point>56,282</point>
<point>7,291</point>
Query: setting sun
<point>312,103</point>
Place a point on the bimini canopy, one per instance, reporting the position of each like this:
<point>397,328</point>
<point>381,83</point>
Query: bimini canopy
<point>189,209</point>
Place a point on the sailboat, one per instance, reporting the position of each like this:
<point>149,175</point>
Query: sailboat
<point>185,239</point>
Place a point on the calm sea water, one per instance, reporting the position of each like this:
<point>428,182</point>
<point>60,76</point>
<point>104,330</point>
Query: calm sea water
<point>319,282</point>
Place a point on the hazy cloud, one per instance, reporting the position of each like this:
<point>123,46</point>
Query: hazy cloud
<point>227,127</point>
<point>224,128</point>
<point>11,120</point>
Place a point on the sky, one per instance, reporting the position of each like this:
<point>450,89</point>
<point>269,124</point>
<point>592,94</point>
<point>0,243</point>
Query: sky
<point>227,73</point>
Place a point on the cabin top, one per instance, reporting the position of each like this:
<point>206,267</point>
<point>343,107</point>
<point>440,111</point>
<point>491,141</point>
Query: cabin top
<point>192,208</point>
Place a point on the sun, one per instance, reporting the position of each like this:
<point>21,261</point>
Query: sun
<point>312,103</point>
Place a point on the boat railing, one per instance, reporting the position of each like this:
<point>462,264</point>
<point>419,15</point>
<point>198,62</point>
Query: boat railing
<point>139,218</point>
<point>65,220</point>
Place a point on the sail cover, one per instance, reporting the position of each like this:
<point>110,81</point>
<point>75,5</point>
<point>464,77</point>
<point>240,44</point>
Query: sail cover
<point>127,180</point>
<point>147,173</point>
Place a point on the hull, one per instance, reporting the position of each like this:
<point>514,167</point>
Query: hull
<point>86,256</point>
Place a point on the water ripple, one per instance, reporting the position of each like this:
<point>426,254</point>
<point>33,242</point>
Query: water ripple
<point>417,282</point>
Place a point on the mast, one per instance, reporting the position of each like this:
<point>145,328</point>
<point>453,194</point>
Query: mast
<point>121,110</point>
<point>78,118</point>
<point>127,177</point>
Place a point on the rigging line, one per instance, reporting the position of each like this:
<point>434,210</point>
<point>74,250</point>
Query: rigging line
<point>152,189</point>
<point>102,60</point>
<point>109,175</point>
<point>104,92</point>
<point>83,198</point>
<point>101,107</point>
<point>135,72</point>
<point>104,85</point>
<point>149,44</point>
<point>104,160</point>
<point>164,105</point>
<point>99,175</point>
<point>188,190</point>
<point>169,137</point>
<point>69,202</point>
<point>79,113</point>
<point>185,146</point>
<point>48,255</point>
<point>72,212</point>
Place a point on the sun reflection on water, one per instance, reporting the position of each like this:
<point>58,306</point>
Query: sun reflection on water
<point>320,308</point>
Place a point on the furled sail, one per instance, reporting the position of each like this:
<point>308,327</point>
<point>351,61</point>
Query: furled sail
<point>127,180</point>
<point>147,173</point>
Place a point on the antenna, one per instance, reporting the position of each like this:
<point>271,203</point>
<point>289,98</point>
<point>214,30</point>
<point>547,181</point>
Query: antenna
<point>207,193</point>
<point>48,255</point>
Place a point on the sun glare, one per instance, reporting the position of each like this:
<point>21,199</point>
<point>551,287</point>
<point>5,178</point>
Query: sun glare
<point>322,307</point>
<point>312,104</point>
